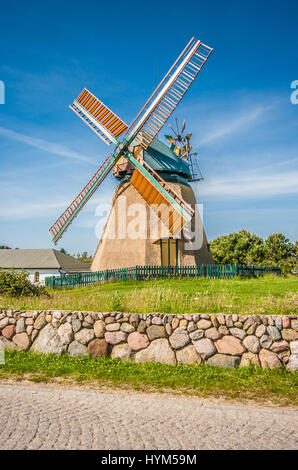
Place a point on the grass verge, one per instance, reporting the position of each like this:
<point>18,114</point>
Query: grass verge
<point>278,386</point>
<point>264,295</point>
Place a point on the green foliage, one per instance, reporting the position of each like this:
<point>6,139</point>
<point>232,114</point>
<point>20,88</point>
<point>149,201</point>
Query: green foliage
<point>17,284</point>
<point>268,294</point>
<point>278,385</point>
<point>246,248</point>
<point>84,257</point>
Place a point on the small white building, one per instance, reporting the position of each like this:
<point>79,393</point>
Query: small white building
<point>41,263</point>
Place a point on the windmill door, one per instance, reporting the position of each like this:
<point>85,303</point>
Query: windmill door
<point>169,252</point>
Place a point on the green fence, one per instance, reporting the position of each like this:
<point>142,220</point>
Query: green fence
<point>141,273</point>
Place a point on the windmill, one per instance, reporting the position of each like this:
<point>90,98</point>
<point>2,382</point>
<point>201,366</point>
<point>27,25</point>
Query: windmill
<point>180,144</point>
<point>127,159</point>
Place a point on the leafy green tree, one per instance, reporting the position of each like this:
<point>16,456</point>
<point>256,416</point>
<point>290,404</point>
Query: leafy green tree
<point>84,257</point>
<point>278,248</point>
<point>237,248</point>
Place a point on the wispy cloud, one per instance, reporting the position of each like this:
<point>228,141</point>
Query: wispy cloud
<point>231,125</point>
<point>255,186</point>
<point>29,210</point>
<point>46,146</point>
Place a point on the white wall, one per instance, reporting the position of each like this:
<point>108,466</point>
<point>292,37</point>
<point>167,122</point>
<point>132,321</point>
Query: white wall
<point>43,273</point>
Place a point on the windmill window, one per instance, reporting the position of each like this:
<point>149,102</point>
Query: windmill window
<point>36,276</point>
<point>169,251</point>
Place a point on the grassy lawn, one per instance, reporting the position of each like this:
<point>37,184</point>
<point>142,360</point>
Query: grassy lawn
<point>277,386</point>
<point>264,295</point>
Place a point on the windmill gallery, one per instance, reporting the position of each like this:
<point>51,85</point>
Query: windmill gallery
<point>152,176</point>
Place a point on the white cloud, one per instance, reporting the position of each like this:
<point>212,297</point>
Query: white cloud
<point>28,210</point>
<point>233,124</point>
<point>46,146</point>
<point>254,186</point>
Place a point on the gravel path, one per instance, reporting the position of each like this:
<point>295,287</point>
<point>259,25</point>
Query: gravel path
<point>40,417</point>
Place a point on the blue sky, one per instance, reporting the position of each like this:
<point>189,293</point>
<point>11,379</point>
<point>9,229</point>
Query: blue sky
<point>239,110</point>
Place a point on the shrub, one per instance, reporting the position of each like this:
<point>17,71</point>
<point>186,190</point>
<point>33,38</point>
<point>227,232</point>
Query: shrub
<point>17,284</point>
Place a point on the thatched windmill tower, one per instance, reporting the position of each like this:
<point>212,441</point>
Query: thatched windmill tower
<point>154,179</point>
<point>148,244</point>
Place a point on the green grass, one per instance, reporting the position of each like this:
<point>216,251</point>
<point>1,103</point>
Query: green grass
<point>278,386</point>
<point>264,295</point>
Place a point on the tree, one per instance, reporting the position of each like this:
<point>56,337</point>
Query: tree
<point>84,257</point>
<point>278,248</point>
<point>237,248</point>
<point>246,248</point>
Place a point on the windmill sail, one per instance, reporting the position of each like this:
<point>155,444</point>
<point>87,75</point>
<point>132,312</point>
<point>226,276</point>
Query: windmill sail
<point>63,222</point>
<point>107,125</point>
<point>169,92</point>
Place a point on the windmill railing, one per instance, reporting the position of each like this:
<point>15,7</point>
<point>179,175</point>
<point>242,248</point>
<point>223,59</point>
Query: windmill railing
<point>142,273</point>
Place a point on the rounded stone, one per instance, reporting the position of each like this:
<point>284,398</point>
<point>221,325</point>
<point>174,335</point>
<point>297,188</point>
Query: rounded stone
<point>48,341</point>
<point>98,348</point>
<point>196,335</point>
<point>137,341</point>
<point>191,326</point>
<point>127,327</point>
<point>252,344</point>
<point>266,341</point>
<point>84,336</point>
<point>20,326</point>
<point>8,331</point>
<point>274,333</point>
<point>183,323</point>
<point>155,332</point>
<point>204,324</point>
<point>113,327</point>
<point>175,323</point>
<point>222,360</point>
<point>40,321</point>
<point>269,359</point>
<point>76,325</point>
<point>48,318</point>
<point>4,323</point>
<point>99,328</point>
<point>142,326</point>
<point>188,355</point>
<point>230,345</point>
<point>289,334</point>
<point>205,347</point>
<point>156,321</point>
<point>22,340</point>
<point>122,351</point>
<point>115,337</point>
<point>286,322</point>
<point>65,332</point>
<point>223,330</point>
<point>158,351</point>
<point>249,358</point>
<point>77,349</point>
<point>279,346</point>
<point>238,333</point>
<point>213,333</point>
<point>179,338</point>
<point>260,331</point>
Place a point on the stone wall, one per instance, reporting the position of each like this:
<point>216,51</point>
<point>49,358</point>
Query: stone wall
<point>221,340</point>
